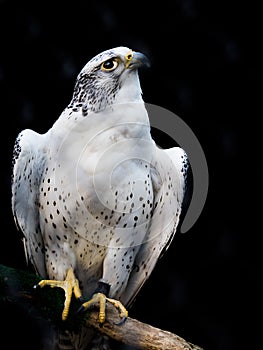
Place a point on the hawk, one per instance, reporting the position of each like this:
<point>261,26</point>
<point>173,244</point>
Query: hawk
<point>96,199</point>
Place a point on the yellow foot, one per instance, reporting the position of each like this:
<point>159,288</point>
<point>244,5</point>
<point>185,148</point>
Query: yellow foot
<point>101,299</point>
<point>70,285</point>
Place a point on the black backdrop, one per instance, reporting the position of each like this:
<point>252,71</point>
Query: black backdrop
<point>206,68</point>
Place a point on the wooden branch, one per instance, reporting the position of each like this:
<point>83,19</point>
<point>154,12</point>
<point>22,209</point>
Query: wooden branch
<point>17,287</point>
<point>138,334</point>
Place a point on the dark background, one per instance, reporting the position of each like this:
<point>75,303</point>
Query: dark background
<point>206,68</point>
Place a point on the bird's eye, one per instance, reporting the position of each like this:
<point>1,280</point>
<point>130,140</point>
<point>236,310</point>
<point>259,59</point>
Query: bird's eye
<point>109,65</point>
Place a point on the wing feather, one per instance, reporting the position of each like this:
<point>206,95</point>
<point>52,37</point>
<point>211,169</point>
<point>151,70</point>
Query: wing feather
<point>27,171</point>
<point>168,179</point>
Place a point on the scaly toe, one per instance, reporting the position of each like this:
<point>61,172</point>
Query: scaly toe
<point>101,299</point>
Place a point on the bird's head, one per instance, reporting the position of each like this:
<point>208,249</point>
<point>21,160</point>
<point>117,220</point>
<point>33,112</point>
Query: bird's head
<point>110,77</point>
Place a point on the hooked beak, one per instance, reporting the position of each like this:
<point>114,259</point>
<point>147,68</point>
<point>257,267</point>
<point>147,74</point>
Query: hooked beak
<point>134,60</point>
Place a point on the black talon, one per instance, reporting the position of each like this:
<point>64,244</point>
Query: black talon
<point>81,299</point>
<point>122,321</point>
<point>80,309</point>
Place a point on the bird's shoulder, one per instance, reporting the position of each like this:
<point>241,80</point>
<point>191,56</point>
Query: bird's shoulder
<point>170,165</point>
<point>180,161</point>
<point>26,143</point>
<point>28,156</point>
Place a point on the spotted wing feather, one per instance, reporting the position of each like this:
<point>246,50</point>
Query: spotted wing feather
<point>168,179</point>
<point>28,167</point>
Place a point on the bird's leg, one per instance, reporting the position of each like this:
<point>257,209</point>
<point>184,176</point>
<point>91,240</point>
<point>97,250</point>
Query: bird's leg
<point>100,296</point>
<point>70,284</point>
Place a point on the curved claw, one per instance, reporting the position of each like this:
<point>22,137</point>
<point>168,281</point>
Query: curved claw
<point>80,309</point>
<point>81,299</point>
<point>122,321</point>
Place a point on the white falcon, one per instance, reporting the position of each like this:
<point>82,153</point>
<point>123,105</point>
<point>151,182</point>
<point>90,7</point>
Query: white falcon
<point>96,200</point>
